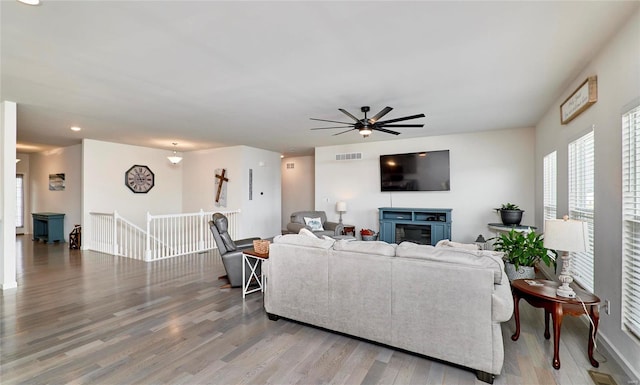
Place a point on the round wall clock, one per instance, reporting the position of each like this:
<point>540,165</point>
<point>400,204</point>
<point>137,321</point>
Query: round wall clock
<point>139,179</point>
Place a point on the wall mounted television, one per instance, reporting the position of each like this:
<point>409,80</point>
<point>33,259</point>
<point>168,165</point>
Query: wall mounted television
<point>418,171</point>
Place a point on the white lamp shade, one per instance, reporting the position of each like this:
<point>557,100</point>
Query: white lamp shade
<point>341,207</point>
<point>566,235</point>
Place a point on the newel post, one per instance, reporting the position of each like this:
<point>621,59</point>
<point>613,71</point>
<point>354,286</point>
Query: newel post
<point>201,232</point>
<point>147,251</point>
<point>115,232</point>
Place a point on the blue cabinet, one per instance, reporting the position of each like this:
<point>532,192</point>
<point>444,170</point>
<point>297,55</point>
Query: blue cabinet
<point>423,226</point>
<point>48,227</point>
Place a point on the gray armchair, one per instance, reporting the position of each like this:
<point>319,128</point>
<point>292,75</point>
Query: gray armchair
<point>230,250</point>
<point>297,223</point>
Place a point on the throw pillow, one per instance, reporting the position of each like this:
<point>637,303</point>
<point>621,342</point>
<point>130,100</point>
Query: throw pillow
<point>306,232</point>
<point>314,223</point>
<point>305,241</point>
<point>448,243</point>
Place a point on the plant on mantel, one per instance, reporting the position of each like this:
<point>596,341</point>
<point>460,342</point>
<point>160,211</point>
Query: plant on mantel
<point>509,206</point>
<point>510,214</point>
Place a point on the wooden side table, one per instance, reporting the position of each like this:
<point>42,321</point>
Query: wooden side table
<point>257,258</point>
<point>542,294</point>
<point>348,229</point>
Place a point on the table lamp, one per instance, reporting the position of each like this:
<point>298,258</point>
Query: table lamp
<point>566,235</point>
<point>341,207</point>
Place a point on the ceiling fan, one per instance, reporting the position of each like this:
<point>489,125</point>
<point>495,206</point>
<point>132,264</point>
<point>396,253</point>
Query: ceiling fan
<point>366,125</point>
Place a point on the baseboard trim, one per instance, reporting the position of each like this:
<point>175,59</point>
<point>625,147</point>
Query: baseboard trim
<point>620,360</point>
<point>9,285</point>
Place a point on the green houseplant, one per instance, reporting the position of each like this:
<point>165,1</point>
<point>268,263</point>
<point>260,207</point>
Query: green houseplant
<point>510,214</point>
<point>522,251</point>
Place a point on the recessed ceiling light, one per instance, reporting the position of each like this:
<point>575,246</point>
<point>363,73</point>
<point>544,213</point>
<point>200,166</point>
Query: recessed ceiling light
<point>75,128</point>
<point>30,2</point>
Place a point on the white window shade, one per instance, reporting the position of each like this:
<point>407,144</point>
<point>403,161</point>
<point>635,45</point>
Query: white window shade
<point>581,203</point>
<point>19,200</point>
<point>550,183</point>
<point>631,222</point>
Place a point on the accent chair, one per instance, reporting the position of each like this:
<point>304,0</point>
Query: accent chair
<point>327,228</point>
<point>230,250</point>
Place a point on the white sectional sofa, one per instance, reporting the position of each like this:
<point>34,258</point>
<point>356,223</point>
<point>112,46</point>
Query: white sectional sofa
<point>442,302</point>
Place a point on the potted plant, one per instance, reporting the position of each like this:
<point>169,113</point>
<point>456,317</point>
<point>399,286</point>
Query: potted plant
<point>510,214</point>
<point>522,251</point>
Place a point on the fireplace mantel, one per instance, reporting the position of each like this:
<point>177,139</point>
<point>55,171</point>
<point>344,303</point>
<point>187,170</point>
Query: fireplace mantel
<point>419,225</point>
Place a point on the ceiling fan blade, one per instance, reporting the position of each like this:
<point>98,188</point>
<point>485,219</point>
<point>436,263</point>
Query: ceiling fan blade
<point>401,119</point>
<point>387,131</point>
<point>332,121</point>
<point>400,125</point>
<point>343,132</point>
<point>348,114</point>
<point>380,114</point>
<point>325,128</point>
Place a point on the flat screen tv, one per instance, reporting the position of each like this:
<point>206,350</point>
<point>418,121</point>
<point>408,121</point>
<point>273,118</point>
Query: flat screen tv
<point>418,171</point>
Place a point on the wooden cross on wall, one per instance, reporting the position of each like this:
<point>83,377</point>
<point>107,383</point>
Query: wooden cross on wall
<point>222,179</point>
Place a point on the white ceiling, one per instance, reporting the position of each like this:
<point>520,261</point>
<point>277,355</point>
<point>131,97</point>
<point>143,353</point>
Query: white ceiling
<point>207,73</point>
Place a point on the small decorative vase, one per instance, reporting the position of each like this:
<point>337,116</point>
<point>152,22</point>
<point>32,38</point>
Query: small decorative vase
<point>523,272</point>
<point>511,217</point>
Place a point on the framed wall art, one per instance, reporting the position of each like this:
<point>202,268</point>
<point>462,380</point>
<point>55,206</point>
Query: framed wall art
<point>56,182</point>
<point>581,99</point>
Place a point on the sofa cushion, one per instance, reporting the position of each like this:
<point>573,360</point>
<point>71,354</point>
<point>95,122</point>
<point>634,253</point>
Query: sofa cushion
<point>366,247</point>
<point>315,224</point>
<point>304,240</point>
<point>479,258</point>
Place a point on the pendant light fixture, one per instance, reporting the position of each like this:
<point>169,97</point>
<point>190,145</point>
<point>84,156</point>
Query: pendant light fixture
<point>174,158</point>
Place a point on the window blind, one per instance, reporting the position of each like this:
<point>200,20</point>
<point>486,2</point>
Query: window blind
<point>631,221</point>
<point>550,173</point>
<point>581,203</point>
<point>19,200</point>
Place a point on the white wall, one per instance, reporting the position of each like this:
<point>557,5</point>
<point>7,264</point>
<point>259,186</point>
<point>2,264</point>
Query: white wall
<point>260,216</point>
<point>104,189</point>
<point>298,185</point>
<point>8,124</point>
<point>199,178</point>
<point>618,69</point>
<point>487,169</point>
<point>67,160</point>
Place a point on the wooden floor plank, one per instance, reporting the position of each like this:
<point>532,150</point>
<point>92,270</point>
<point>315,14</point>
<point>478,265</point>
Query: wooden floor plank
<point>85,317</point>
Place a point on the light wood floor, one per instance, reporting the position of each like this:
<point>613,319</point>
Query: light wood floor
<point>90,318</point>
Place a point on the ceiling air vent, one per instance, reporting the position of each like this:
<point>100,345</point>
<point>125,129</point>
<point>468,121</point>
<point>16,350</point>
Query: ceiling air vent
<point>350,156</point>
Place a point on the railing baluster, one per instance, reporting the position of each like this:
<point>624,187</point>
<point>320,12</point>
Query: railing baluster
<point>165,235</point>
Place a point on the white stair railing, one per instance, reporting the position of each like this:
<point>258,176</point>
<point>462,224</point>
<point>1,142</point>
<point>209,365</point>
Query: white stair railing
<point>166,236</point>
<point>131,239</point>
<point>102,236</point>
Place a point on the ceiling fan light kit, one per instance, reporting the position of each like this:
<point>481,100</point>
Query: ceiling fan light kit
<point>175,158</point>
<point>366,126</point>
